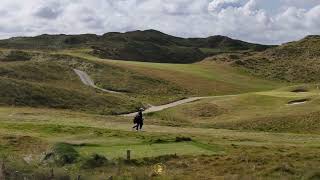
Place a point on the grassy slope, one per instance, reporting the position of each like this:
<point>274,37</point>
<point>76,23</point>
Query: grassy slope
<point>296,62</point>
<point>264,111</point>
<point>36,83</point>
<point>159,85</point>
<point>43,69</point>
<point>197,79</point>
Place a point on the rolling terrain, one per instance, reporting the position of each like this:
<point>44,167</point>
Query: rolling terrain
<point>36,83</point>
<point>270,111</point>
<point>296,62</point>
<point>217,108</point>
<point>149,45</point>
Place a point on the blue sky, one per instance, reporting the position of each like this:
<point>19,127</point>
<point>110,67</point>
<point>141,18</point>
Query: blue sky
<point>261,21</point>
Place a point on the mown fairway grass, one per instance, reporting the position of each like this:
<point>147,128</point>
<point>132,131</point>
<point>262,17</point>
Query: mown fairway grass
<point>30,131</point>
<point>261,111</point>
<point>149,150</point>
<point>105,134</point>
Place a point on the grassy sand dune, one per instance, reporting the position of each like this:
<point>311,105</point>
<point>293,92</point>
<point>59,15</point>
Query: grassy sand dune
<point>268,130</point>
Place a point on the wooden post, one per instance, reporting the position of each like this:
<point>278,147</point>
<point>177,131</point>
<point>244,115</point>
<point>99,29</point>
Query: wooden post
<point>2,171</point>
<point>51,174</point>
<point>79,177</point>
<point>16,174</point>
<point>119,169</point>
<point>128,155</point>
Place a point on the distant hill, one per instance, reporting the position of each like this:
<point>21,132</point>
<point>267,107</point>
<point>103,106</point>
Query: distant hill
<point>149,45</point>
<point>297,61</point>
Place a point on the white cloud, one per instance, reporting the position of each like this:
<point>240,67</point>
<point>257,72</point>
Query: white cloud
<point>49,10</point>
<point>255,24</point>
<point>219,5</point>
<point>272,21</point>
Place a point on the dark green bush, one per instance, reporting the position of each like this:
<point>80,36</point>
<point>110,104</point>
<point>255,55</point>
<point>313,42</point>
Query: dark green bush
<point>64,153</point>
<point>94,161</point>
<point>183,139</point>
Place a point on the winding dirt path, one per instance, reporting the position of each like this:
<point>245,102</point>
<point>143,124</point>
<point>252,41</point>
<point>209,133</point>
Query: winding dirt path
<point>174,104</point>
<point>166,106</point>
<point>85,78</point>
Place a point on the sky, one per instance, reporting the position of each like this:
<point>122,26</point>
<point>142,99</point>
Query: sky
<point>260,21</point>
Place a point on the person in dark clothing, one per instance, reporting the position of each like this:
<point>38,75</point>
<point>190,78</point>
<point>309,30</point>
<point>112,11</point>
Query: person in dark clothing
<point>138,120</point>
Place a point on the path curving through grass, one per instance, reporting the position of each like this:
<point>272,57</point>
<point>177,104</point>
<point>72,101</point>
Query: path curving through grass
<point>174,104</point>
<point>85,78</point>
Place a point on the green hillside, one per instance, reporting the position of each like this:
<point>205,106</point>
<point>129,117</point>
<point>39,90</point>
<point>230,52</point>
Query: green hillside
<point>297,61</point>
<point>200,79</point>
<point>149,45</point>
<point>44,81</point>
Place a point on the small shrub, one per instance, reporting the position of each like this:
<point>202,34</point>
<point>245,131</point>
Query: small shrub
<point>239,62</point>
<point>95,161</point>
<point>64,153</point>
<point>147,160</point>
<point>158,141</point>
<point>299,90</point>
<point>183,139</point>
<point>233,56</point>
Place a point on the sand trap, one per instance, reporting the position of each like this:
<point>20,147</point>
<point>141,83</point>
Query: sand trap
<point>299,101</point>
<point>300,90</point>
